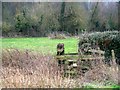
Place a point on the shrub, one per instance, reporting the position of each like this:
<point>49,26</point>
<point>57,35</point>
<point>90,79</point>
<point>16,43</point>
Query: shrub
<point>105,40</point>
<point>6,27</point>
<point>56,35</point>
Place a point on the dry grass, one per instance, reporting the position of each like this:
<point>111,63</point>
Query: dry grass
<point>25,69</point>
<point>56,35</point>
<point>103,74</point>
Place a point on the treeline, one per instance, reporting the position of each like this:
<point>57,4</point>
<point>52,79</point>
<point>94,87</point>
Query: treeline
<point>40,18</point>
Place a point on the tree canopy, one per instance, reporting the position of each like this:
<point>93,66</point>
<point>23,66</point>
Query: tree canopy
<point>41,18</point>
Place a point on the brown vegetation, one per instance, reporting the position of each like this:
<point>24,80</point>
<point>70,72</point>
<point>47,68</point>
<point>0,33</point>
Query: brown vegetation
<point>57,35</point>
<point>27,69</point>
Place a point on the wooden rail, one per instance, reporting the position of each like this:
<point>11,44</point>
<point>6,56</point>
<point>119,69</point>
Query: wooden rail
<point>71,61</point>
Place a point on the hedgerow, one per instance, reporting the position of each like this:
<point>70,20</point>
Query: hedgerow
<point>107,41</point>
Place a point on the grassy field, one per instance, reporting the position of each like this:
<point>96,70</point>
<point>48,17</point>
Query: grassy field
<point>44,45</point>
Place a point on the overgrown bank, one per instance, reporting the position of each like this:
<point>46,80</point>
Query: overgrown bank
<point>23,69</point>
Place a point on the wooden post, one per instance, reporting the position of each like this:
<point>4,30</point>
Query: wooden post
<point>99,55</point>
<point>113,57</point>
<point>115,67</point>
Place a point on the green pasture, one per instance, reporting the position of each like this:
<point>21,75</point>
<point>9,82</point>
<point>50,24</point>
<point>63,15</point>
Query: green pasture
<point>43,45</point>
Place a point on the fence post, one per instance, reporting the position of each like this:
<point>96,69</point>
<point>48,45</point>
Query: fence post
<point>100,61</point>
<point>113,57</point>
<point>115,67</point>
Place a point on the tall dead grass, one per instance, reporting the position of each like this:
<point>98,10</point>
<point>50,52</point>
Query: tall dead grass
<point>26,69</point>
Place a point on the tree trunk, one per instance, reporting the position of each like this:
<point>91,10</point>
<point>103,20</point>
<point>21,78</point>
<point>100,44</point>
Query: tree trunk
<point>62,16</point>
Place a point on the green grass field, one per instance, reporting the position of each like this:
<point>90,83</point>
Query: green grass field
<point>43,45</point>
